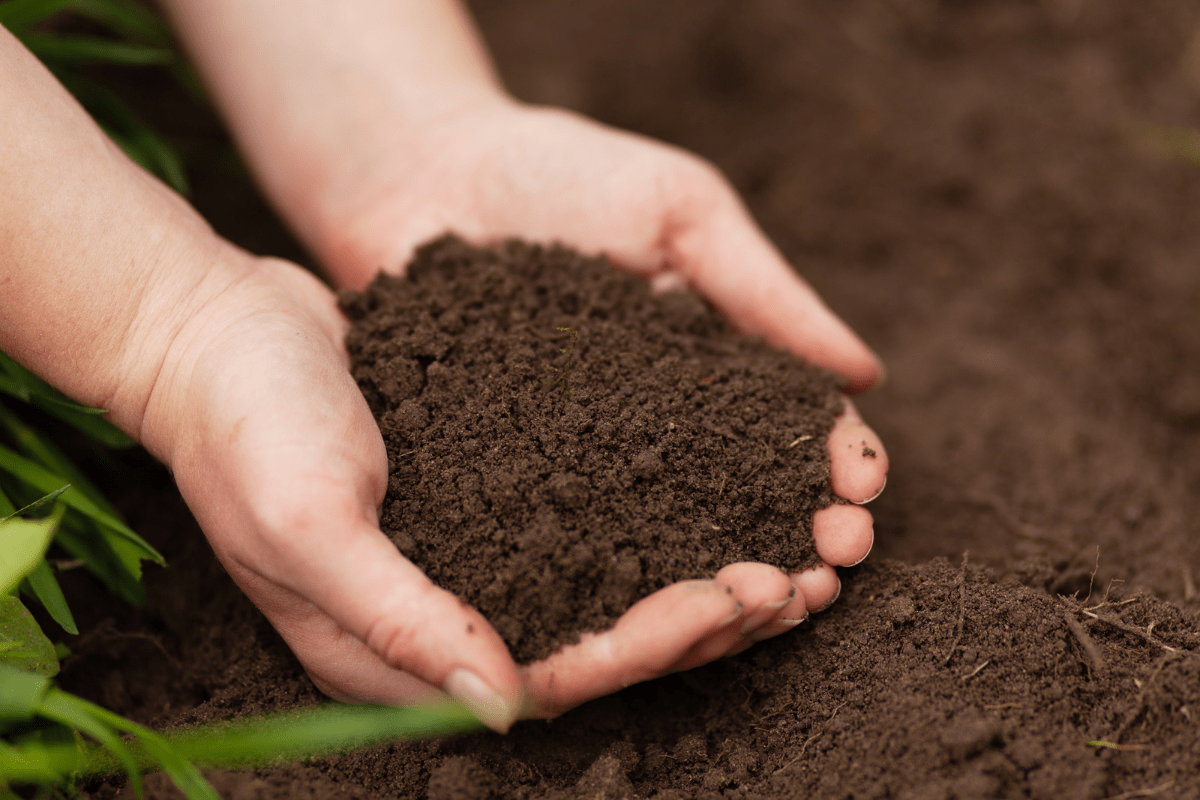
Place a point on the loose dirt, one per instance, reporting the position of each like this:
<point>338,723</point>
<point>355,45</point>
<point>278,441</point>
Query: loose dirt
<point>561,443</point>
<point>984,191</point>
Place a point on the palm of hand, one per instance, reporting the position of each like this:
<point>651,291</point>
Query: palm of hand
<point>287,487</point>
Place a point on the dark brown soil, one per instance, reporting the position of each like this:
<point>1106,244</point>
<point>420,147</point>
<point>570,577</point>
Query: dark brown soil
<point>972,185</point>
<point>561,443</point>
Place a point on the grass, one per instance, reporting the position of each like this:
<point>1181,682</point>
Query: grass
<point>130,35</point>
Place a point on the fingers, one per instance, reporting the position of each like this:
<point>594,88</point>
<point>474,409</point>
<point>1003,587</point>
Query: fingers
<point>858,464</point>
<point>843,534</point>
<point>410,633</point>
<point>820,587</point>
<point>719,249</point>
<point>648,639</point>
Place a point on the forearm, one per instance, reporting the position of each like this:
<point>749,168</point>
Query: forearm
<point>99,263</point>
<point>316,92</point>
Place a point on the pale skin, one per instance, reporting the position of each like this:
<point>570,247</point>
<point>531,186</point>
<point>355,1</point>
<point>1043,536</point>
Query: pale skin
<point>373,125</point>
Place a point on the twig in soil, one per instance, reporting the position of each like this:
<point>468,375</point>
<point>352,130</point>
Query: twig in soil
<point>1100,743</point>
<point>811,739</point>
<point>975,671</point>
<point>1089,646</point>
<point>1002,706</point>
<point>798,440</point>
<point>1142,792</point>
<point>962,608</point>
<point>1092,579</point>
<point>1136,631</point>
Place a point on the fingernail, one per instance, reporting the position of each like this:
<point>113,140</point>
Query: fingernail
<point>482,700</point>
<point>732,617</point>
<point>764,614</point>
<point>882,486</point>
<point>833,599</point>
<point>777,627</point>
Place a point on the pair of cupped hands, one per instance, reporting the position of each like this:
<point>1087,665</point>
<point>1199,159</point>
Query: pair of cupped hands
<point>277,453</point>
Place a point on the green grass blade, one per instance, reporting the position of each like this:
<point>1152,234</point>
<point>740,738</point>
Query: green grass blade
<point>72,49</point>
<point>129,20</point>
<point>312,732</point>
<point>16,15</point>
<point>42,479</point>
<point>19,382</point>
<point>36,504</point>
<point>7,507</point>
<point>80,539</point>
<point>183,772</point>
<point>44,586</point>
<point>76,713</point>
<point>87,421</point>
<point>45,761</point>
<point>46,453</point>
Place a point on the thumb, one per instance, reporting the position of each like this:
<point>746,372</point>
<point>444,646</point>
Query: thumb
<point>369,626</point>
<point>722,253</point>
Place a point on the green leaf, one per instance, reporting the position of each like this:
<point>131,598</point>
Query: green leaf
<point>16,15</point>
<point>7,508</point>
<point>79,537</point>
<point>21,693</point>
<point>75,49</point>
<point>46,758</point>
<point>32,650</point>
<point>45,588</point>
<point>311,732</point>
<point>19,382</point>
<point>76,713</point>
<point>129,20</point>
<point>42,479</point>
<point>86,420</point>
<point>23,543</point>
<point>46,453</point>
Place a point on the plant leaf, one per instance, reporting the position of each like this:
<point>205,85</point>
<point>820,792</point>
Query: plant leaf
<point>311,732</point>
<point>42,479</point>
<point>45,588</point>
<point>62,48</point>
<point>32,651</point>
<point>47,454</point>
<point>23,543</point>
<point>127,19</point>
<point>16,15</point>
<point>45,757</point>
<point>76,713</point>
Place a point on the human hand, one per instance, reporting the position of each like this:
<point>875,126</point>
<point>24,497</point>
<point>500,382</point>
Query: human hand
<point>277,455</point>
<point>501,170</point>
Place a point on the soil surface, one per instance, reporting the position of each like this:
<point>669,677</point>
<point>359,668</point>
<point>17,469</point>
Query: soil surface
<point>992,194</point>
<point>561,443</point>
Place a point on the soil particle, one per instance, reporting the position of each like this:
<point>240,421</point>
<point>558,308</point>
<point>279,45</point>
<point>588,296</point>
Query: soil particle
<point>578,443</point>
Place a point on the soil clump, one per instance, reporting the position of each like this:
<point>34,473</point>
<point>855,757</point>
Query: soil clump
<point>562,443</point>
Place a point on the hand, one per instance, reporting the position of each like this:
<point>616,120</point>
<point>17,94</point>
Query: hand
<point>502,170</point>
<point>278,456</point>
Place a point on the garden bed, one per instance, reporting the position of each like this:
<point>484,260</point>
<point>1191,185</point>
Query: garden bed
<point>985,192</point>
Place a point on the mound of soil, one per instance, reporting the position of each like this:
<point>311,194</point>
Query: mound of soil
<point>561,443</point>
<point>983,190</point>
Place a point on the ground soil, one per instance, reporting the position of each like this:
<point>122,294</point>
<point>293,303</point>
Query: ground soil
<point>984,191</point>
<point>554,427</point>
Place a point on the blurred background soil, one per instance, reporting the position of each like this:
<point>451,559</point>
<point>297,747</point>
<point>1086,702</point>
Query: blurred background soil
<point>1003,198</point>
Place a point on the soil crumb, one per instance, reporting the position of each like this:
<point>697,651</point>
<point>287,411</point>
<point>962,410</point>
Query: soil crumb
<point>562,442</point>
